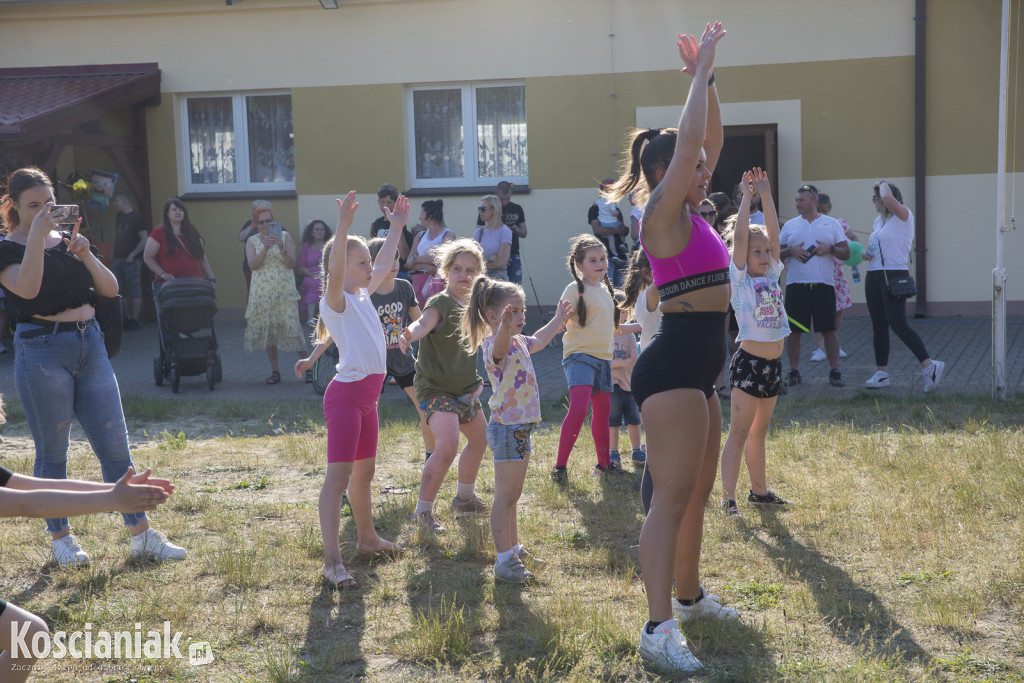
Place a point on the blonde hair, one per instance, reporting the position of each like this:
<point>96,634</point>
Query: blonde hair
<point>579,247</point>
<point>446,253</point>
<point>320,334</point>
<point>495,219</point>
<point>488,295</point>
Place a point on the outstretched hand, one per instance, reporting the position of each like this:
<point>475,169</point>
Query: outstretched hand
<point>302,365</point>
<point>506,316</point>
<point>347,212</point>
<point>758,180</point>
<point>563,311</point>
<point>398,216</point>
<point>144,478</point>
<point>129,497</point>
<point>404,340</point>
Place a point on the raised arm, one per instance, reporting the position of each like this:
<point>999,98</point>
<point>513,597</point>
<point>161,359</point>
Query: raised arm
<point>26,278</point>
<point>895,207</point>
<point>103,281</point>
<point>502,336</point>
<point>666,200</point>
<point>335,294</point>
<point>741,233</point>
<point>544,335</point>
<point>386,256</point>
<point>771,217</point>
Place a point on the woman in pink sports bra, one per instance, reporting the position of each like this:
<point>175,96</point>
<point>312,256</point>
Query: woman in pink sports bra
<point>673,380</point>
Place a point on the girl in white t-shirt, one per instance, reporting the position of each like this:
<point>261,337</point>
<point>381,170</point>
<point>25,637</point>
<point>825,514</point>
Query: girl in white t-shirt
<point>350,403</point>
<point>756,368</point>
<point>642,297</point>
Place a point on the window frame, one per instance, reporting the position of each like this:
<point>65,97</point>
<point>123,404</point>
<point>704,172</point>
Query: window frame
<point>241,127</point>
<point>470,178</point>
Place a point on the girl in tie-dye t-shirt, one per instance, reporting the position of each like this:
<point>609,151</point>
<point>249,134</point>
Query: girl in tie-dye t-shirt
<point>494,322</point>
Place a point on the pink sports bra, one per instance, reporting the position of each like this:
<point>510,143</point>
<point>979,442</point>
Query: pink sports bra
<point>703,263</point>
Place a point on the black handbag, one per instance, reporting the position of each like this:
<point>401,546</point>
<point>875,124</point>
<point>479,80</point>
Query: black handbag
<point>108,317</point>
<point>900,288</point>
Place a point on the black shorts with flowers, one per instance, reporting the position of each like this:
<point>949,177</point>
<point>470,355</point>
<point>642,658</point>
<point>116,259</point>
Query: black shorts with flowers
<point>759,377</point>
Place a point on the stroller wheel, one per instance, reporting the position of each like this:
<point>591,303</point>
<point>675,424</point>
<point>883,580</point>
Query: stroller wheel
<point>218,369</point>
<point>158,370</point>
<point>211,375</point>
<point>175,378</point>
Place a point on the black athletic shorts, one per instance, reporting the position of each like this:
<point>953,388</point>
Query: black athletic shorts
<point>687,353</point>
<point>806,302</point>
<point>404,381</point>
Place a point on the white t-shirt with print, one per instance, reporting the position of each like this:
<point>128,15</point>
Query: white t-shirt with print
<point>760,313</point>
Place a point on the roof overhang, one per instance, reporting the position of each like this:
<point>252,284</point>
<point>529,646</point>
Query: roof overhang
<point>37,103</point>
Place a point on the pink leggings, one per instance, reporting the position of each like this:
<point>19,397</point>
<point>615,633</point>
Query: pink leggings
<point>579,398</point>
<point>350,409</point>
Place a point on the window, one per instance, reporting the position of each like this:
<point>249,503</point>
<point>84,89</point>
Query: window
<point>239,142</point>
<point>466,135</point>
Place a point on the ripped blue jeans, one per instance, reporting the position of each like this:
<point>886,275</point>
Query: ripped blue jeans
<point>65,375</point>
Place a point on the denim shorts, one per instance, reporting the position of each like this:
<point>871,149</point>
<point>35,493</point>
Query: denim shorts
<point>623,408</point>
<point>509,443</point>
<point>582,369</point>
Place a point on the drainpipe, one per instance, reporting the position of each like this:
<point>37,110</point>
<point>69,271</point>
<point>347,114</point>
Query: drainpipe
<point>920,262</point>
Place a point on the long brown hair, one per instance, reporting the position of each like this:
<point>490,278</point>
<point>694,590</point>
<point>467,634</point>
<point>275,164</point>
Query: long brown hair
<point>635,283</point>
<point>579,246</point>
<point>189,235</point>
<point>19,181</point>
<point>487,295</point>
<point>647,150</point>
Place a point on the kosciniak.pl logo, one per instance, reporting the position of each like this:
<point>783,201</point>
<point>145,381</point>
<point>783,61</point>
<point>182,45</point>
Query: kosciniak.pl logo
<point>103,644</point>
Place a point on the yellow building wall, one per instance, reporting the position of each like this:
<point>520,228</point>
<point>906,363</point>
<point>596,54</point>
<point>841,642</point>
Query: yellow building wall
<point>589,68</point>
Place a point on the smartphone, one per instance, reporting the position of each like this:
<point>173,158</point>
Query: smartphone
<point>64,214</point>
<point>275,230</point>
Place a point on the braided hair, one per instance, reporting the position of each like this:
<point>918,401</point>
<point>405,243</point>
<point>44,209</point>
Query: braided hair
<point>580,245</point>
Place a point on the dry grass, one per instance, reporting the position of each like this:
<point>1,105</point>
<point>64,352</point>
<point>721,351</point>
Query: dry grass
<point>901,559</point>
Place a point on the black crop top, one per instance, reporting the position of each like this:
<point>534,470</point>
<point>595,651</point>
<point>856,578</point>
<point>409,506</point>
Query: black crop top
<point>5,476</point>
<point>66,283</point>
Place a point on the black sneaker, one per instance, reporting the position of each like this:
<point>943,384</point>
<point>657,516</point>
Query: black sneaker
<point>559,475</point>
<point>614,468</point>
<point>770,498</point>
<point>793,378</point>
<point>835,378</point>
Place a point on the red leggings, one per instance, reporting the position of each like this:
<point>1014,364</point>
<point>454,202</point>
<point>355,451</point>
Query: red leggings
<point>580,397</point>
<point>350,409</point>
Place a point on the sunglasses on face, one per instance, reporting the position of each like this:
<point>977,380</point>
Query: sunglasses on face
<point>482,208</point>
<point>708,214</point>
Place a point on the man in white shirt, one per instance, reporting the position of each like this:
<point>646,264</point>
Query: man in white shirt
<point>807,245</point>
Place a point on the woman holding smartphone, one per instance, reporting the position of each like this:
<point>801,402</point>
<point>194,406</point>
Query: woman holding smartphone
<point>52,278</point>
<point>271,319</point>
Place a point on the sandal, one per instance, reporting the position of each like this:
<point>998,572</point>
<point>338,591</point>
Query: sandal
<point>309,376</point>
<point>274,378</point>
<point>383,549</point>
<point>343,581</point>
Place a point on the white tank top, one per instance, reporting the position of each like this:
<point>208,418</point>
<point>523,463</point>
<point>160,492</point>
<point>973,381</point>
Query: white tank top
<point>426,244</point>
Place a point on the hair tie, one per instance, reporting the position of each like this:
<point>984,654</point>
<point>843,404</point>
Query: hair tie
<point>581,295</point>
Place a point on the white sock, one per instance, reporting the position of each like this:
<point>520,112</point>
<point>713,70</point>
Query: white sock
<point>505,556</point>
<point>517,549</point>
<point>424,506</point>
<point>464,491</point>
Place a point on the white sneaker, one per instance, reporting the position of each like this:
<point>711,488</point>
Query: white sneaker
<point>818,355</point>
<point>842,354</point>
<point>666,648</point>
<point>707,606</point>
<point>878,380</point>
<point>68,553</point>
<point>153,545</point>
<point>932,375</point>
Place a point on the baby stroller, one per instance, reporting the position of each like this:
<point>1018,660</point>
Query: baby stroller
<point>184,308</point>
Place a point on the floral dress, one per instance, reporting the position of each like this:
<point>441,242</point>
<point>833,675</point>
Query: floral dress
<point>272,317</point>
<point>843,300</point>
